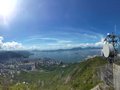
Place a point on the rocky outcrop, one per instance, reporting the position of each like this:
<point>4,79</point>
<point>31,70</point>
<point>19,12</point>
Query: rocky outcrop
<point>106,74</point>
<point>102,86</point>
<point>116,76</point>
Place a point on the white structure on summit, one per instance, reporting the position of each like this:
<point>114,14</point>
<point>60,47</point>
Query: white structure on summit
<point>110,48</point>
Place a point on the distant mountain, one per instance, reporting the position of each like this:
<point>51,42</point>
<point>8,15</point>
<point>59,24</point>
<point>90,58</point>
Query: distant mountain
<point>80,48</point>
<point>71,49</point>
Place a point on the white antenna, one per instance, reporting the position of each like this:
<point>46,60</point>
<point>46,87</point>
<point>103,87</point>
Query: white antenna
<point>109,49</point>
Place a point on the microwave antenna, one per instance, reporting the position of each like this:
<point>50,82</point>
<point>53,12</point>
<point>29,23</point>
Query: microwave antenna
<point>110,50</point>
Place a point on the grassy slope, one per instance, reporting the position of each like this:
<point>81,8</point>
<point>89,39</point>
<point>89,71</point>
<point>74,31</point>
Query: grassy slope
<point>80,76</point>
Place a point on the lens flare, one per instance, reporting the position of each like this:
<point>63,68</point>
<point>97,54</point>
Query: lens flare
<point>7,8</point>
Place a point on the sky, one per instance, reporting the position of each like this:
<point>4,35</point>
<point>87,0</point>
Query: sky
<point>57,24</point>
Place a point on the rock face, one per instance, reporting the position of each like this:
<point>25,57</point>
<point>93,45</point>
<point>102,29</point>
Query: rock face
<point>102,86</point>
<point>106,74</point>
<point>110,75</point>
<point>116,76</point>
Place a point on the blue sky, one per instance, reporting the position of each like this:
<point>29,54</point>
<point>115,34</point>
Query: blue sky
<point>54,24</point>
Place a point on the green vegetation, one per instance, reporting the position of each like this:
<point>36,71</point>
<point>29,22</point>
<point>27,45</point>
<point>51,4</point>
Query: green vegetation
<point>77,76</point>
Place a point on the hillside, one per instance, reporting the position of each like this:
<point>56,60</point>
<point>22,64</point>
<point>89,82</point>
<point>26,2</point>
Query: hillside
<point>77,76</point>
<point>7,55</point>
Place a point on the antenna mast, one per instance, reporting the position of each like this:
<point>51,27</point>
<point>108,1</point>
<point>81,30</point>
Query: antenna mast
<point>109,48</point>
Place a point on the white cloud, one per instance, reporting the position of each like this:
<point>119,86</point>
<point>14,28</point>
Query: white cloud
<point>97,44</point>
<point>40,38</point>
<point>89,36</point>
<point>1,38</point>
<point>60,41</point>
<point>10,45</point>
<point>72,37</point>
<point>69,44</point>
<point>66,44</point>
<point>63,41</point>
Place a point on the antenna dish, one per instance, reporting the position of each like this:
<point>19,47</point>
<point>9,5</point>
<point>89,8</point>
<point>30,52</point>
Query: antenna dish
<point>110,47</point>
<point>108,50</point>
